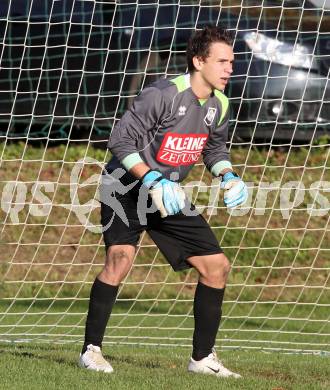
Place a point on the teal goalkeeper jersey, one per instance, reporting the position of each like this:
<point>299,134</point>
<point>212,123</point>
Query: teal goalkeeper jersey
<point>169,128</point>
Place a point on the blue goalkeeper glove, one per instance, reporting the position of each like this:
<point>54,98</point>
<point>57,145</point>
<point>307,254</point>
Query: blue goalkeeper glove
<point>167,195</point>
<point>236,192</point>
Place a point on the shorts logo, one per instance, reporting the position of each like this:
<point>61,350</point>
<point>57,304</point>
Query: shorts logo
<point>209,117</point>
<point>181,149</point>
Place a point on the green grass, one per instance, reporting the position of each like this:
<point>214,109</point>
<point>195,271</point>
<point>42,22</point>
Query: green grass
<point>277,294</point>
<point>253,326</point>
<point>55,367</point>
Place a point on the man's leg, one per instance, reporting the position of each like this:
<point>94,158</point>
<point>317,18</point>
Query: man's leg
<point>103,295</point>
<point>213,271</point>
<point>179,238</point>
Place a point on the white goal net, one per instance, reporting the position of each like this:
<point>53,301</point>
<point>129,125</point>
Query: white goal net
<point>68,70</point>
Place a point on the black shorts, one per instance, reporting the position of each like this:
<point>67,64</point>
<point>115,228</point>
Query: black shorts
<point>178,237</point>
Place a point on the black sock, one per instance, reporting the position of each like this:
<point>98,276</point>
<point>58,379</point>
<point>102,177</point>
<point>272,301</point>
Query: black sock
<point>102,299</point>
<point>207,314</point>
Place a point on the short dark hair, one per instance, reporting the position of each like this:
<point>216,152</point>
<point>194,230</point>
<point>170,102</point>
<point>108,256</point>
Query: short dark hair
<point>200,42</point>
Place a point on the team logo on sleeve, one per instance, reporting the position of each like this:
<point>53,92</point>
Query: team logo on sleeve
<point>181,149</point>
<point>209,117</point>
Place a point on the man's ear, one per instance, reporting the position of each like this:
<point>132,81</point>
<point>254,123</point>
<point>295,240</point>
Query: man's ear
<point>198,62</point>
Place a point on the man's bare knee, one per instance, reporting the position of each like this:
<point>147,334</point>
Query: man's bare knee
<point>118,262</point>
<point>213,269</point>
<point>220,271</point>
<point>225,264</point>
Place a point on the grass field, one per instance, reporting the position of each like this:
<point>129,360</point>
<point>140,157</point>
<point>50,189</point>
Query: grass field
<point>144,322</point>
<point>54,367</point>
<point>277,296</point>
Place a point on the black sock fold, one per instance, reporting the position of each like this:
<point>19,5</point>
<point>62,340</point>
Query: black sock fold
<point>102,299</point>
<point>207,314</point>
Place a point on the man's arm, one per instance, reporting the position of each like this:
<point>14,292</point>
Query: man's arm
<point>216,159</point>
<point>139,170</point>
<point>215,154</point>
<point>141,118</point>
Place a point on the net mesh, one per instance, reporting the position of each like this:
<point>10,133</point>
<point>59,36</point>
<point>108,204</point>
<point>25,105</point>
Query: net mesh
<point>68,71</point>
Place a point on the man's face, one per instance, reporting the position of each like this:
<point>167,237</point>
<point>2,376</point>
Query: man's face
<point>217,68</point>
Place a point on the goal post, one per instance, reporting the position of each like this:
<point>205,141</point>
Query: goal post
<point>68,70</point>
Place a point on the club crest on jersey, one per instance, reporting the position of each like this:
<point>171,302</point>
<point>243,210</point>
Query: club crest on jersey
<point>182,110</point>
<point>209,117</point>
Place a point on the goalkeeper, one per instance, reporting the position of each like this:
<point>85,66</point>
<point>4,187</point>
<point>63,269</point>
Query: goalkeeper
<point>155,145</point>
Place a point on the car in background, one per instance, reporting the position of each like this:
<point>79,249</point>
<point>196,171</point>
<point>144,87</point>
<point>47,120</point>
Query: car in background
<point>69,69</point>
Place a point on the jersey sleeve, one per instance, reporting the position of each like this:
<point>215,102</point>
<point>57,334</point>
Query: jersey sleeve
<point>215,154</point>
<point>147,110</point>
